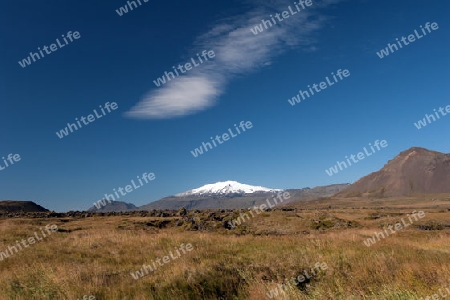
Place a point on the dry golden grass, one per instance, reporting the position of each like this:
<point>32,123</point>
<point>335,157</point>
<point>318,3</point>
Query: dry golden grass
<point>97,255</point>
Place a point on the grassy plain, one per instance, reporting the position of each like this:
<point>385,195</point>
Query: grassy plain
<point>95,256</point>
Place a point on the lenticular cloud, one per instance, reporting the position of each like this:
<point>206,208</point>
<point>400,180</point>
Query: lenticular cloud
<point>185,95</point>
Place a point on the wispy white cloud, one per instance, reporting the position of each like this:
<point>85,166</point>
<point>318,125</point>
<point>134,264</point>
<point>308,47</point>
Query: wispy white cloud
<point>186,95</point>
<point>237,52</point>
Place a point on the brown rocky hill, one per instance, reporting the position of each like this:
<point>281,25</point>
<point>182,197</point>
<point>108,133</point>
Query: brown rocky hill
<point>414,171</point>
<point>9,206</point>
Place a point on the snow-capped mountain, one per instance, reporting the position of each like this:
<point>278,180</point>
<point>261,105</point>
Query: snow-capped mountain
<point>226,187</point>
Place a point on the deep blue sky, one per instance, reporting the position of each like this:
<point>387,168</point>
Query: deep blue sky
<point>117,59</point>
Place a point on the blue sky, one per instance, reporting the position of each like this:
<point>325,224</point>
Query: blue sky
<point>250,79</point>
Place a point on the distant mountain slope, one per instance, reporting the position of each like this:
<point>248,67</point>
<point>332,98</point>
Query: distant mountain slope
<point>113,206</point>
<point>414,171</point>
<point>9,206</point>
<point>319,191</point>
<point>230,200</point>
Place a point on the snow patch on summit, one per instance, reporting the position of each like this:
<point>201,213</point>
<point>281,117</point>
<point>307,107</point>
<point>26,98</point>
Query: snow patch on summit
<point>226,187</point>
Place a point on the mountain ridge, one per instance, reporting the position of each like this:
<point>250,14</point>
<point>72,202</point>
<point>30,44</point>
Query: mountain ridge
<point>239,200</point>
<point>414,171</point>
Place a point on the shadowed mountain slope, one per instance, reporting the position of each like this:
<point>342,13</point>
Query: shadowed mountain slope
<point>11,206</point>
